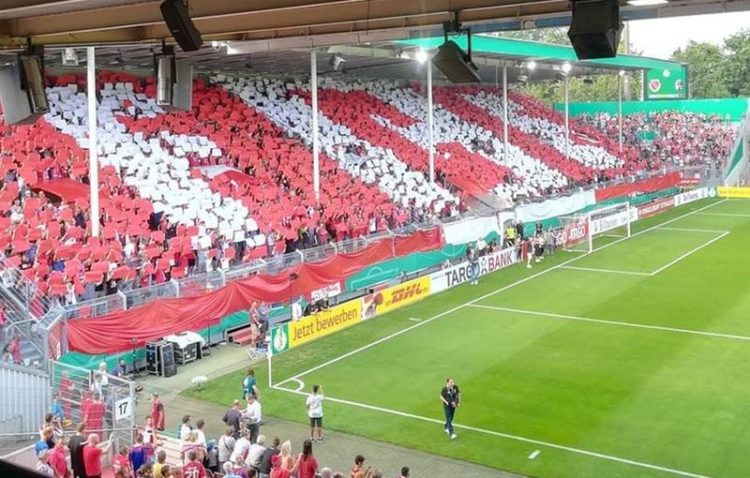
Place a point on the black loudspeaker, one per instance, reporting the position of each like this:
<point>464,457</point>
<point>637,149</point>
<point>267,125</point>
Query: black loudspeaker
<point>595,29</point>
<point>452,61</point>
<point>160,359</point>
<point>177,18</point>
<point>22,92</point>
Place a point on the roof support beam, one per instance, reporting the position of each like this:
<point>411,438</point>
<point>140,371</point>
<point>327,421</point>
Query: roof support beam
<point>216,17</point>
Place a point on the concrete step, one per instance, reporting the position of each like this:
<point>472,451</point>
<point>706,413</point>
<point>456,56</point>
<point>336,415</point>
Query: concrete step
<point>242,337</point>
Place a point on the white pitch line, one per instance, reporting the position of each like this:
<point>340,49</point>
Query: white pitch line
<point>686,229</point>
<point>613,322</point>
<point>690,252</point>
<point>300,384</point>
<point>415,320</point>
<point>489,294</point>
<point>724,214</point>
<point>610,271</point>
<point>508,436</point>
<point>534,454</point>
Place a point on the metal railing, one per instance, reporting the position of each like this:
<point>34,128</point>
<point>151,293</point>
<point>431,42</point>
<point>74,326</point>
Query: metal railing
<point>23,302</point>
<point>197,284</point>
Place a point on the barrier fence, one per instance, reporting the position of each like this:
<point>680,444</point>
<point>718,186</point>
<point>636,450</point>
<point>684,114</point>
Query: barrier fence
<point>23,301</point>
<point>105,402</point>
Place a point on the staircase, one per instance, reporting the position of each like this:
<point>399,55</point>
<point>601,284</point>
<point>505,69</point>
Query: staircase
<point>172,448</point>
<point>242,336</point>
<point>27,314</point>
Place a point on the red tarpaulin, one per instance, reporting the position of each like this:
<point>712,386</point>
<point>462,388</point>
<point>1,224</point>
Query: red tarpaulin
<point>645,186</point>
<point>419,241</point>
<point>113,333</point>
<point>67,189</point>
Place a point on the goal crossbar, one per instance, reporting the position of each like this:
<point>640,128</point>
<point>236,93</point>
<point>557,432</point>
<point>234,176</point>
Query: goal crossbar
<point>579,230</point>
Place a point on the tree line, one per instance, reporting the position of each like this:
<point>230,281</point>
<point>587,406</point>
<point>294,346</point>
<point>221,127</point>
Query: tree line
<point>714,71</point>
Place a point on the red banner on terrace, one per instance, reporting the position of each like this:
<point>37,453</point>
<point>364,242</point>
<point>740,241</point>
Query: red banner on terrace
<point>646,186</point>
<point>115,332</point>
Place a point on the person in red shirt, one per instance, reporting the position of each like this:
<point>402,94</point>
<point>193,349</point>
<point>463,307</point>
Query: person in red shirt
<point>307,465</point>
<point>57,460</point>
<point>66,389</point>
<point>92,455</point>
<point>15,349</point>
<point>157,412</point>
<point>121,462</point>
<point>94,416</point>
<point>193,468</point>
<point>277,471</point>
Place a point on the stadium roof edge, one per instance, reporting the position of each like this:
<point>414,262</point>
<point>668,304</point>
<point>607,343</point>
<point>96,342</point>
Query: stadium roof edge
<point>514,49</point>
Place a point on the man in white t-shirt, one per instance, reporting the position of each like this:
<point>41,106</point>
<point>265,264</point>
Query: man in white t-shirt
<point>297,309</point>
<point>253,417</point>
<point>314,405</point>
<point>241,446</point>
<point>185,428</point>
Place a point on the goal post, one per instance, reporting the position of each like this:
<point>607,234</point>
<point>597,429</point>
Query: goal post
<point>585,232</point>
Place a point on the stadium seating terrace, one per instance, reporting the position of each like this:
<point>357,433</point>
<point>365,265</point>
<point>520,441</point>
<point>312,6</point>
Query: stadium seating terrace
<point>230,181</point>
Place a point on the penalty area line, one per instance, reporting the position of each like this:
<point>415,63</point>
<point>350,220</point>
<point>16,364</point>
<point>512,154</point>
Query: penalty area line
<point>609,271</point>
<point>579,451</point>
<point>576,318</point>
<point>690,252</point>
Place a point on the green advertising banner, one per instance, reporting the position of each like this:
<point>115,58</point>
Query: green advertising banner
<point>279,338</point>
<point>666,84</point>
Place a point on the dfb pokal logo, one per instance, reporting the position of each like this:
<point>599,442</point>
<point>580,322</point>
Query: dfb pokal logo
<point>279,339</point>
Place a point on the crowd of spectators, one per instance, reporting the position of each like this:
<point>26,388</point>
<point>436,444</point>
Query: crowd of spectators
<point>184,193</point>
<point>242,451</point>
<point>672,138</point>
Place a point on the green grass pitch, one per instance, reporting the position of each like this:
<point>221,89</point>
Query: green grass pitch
<point>631,361</point>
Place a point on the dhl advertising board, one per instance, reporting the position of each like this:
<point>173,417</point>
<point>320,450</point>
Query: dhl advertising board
<point>307,329</point>
<point>391,298</point>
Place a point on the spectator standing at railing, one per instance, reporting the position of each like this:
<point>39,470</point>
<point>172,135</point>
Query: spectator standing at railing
<point>550,242</point>
<point>481,246</point>
<point>121,464</point>
<point>58,461</point>
<point>75,446</point>
<point>473,258</point>
<point>92,455</point>
<point>510,235</point>
<point>3,320</point>
<point>58,413</point>
<point>15,349</point>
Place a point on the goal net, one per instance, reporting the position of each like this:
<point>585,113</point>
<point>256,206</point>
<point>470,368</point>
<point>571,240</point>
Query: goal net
<point>586,232</point>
